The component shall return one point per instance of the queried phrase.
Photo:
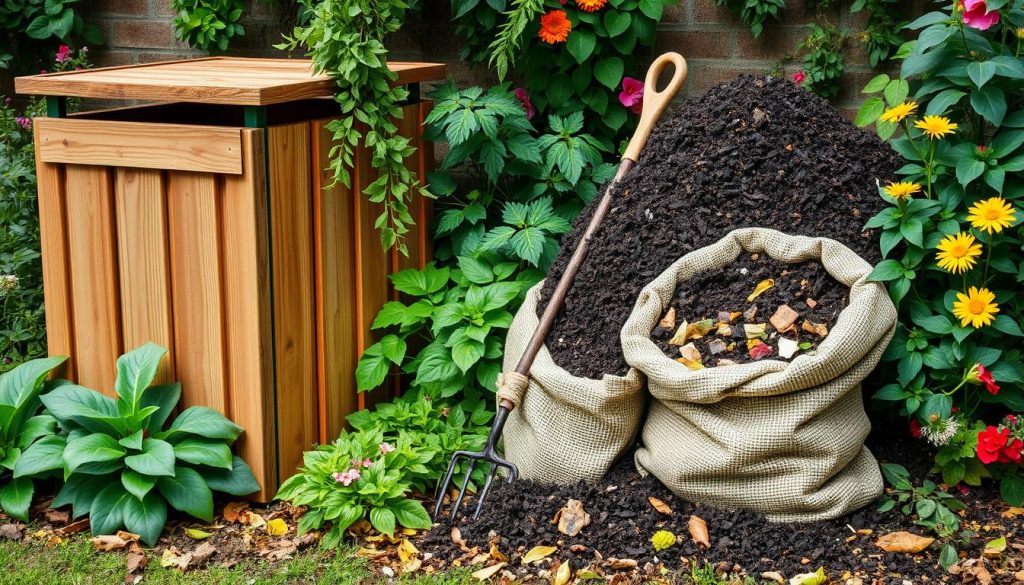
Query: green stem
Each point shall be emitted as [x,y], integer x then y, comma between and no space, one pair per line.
[928,168]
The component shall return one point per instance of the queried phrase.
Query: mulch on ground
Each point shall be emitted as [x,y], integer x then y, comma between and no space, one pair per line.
[519,517]
[753,152]
[804,296]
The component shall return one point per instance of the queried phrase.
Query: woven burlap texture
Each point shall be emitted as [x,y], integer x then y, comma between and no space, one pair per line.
[782,438]
[566,428]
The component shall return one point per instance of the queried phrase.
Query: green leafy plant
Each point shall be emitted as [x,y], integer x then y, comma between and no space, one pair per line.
[881,35]
[823,62]
[21,427]
[345,39]
[956,459]
[30,28]
[928,505]
[209,25]
[755,13]
[123,465]
[951,235]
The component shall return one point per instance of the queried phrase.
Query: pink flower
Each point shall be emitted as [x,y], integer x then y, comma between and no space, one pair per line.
[386,448]
[24,122]
[524,98]
[799,77]
[347,477]
[632,94]
[340,477]
[367,463]
[63,54]
[976,15]
[8,100]
[915,428]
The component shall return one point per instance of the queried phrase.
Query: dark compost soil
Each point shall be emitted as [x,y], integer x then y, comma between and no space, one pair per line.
[753,152]
[721,296]
[518,517]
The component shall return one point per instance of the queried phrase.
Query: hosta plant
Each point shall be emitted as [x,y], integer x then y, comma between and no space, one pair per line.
[123,465]
[21,427]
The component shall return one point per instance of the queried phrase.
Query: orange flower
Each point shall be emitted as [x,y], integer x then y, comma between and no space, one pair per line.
[591,5]
[554,27]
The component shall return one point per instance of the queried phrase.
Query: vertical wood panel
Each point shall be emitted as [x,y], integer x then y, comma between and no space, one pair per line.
[94,276]
[196,288]
[140,205]
[335,276]
[250,382]
[425,164]
[56,270]
[291,219]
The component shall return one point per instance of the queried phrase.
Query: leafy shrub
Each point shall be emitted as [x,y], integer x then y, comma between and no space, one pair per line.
[22,427]
[755,13]
[952,235]
[208,24]
[928,505]
[823,63]
[123,465]
[29,28]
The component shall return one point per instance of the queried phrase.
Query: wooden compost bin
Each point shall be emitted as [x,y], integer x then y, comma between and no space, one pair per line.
[202,223]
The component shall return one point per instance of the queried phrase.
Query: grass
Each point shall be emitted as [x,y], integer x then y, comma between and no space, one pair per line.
[75,563]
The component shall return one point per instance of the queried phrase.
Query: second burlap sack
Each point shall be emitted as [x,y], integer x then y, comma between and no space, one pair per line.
[565,428]
[782,438]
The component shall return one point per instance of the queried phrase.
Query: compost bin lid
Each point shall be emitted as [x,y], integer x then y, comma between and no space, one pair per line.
[211,80]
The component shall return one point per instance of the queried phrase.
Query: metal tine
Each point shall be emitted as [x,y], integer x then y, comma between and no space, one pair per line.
[483,493]
[462,490]
[446,484]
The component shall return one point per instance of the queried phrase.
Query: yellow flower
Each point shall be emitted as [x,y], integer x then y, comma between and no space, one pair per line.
[1019,32]
[591,5]
[935,126]
[992,215]
[977,308]
[958,253]
[902,189]
[663,539]
[898,113]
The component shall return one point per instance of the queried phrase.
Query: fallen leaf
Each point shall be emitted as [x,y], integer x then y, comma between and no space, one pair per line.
[994,548]
[234,511]
[487,573]
[773,576]
[750,313]
[669,320]
[137,559]
[680,336]
[717,346]
[903,542]
[588,574]
[196,534]
[816,578]
[818,329]
[108,542]
[562,575]
[691,364]
[75,527]
[788,347]
[620,564]
[754,331]
[689,352]
[537,553]
[699,531]
[659,505]
[760,288]
[57,516]
[1012,512]
[573,518]
[13,531]
[407,550]
[277,527]
[725,330]
[699,329]
[784,318]
[253,519]
[203,552]
[169,558]
[496,553]
[976,569]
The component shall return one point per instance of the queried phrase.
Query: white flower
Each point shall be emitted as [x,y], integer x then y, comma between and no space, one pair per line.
[8,282]
[939,433]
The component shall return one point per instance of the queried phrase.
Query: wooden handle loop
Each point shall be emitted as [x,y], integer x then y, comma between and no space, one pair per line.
[655,101]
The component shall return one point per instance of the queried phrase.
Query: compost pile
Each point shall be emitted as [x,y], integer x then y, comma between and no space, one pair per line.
[754,308]
[753,152]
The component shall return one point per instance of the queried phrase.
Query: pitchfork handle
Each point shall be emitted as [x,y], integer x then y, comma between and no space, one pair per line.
[655,103]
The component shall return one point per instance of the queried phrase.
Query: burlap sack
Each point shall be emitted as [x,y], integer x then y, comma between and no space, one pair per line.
[782,438]
[567,429]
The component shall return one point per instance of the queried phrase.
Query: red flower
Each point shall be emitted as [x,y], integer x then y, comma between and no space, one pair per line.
[915,428]
[63,54]
[799,77]
[990,442]
[524,98]
[632,94]
[985,376]
[554,27]
[1013,452]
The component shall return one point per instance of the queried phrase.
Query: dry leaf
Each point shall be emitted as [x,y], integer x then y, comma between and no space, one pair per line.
[784,318]
[689,352]
[255,520]
[108,542]
[234,511]
[903,542]
[277,527]
[975,570]
[496,553]
[818,329]
[680,336]
[407,551]
[485,574]
[994,548]
[170,558]
[690,364]
[57,516]
[669,320]
[717,346]
[754,331]
[816,578]
[72,528]
[773,576]
[203,552]
[137,559]
[572,518]
[537,553]
[659,505]
[699,329]
[760,350]
[760,288]
[562,575]
[196,534]
[620,564]
[1012,512]
[13,531]
[699,531]
[811,302]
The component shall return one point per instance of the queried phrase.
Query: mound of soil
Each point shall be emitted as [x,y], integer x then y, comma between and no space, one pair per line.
[719,298]
[753,152]
[517,517]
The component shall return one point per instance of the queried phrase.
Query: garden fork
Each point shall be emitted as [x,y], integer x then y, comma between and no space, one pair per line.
[512,385]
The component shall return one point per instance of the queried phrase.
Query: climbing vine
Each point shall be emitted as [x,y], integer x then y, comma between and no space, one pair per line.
[345,39]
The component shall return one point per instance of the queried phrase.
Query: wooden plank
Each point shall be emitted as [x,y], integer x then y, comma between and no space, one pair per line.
[220,80]
[247,322]
[56,271]
[141,209]
[336,299]
[181,147]
[92,259]
[196,288]
[425,164]
[291,219]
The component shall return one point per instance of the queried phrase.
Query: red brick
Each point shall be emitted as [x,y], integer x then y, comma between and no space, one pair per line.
[696,44]
[119,7]
[163,8]
[774,44]
[705,75]
[674,13]
[142,34]
[111,58]
[708,12]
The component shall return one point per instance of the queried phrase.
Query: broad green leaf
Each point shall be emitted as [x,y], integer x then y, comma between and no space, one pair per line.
[199,451]
[411,514]
[42,456]
[24,382]
[188,492]
[84,407]
[609,72]
[36,427]
[136,483]
[94,448]
[383,520]
[371,370]
[943,101]
[145,517]
[204,422]
[157,458]
[896,91]
[132,441]
[1004,323]
[165,397]
[581,44]
[886,270]
[106,513]
[990,102]
[869,111]
[876,84]
[616,22]
[981,72]
[16,497]
[80,490]
[237,482]
[475,270]
[968,169]
[135,372]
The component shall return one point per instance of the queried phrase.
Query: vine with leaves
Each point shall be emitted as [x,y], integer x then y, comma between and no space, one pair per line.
[345,39]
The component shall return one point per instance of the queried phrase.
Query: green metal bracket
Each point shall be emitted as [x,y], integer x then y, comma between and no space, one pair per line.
[256,117]
[56,106]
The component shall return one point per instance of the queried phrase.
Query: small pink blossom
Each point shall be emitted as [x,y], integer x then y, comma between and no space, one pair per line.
[24,122]
[367,463]
[363,463]
[8,100]
[799,77]
[386,448]
[63,54]
[347,477]
[632,94]
[524,98]
[976,15]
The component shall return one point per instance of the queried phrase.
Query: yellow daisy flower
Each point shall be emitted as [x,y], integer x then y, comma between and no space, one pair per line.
[898,113]
[992,215]
[977,308]
[935,126]
[902,189]
[958,253]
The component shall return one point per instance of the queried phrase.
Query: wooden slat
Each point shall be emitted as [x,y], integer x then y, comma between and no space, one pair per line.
[250,380]
[92,259]
[212,149]
[196,288]
[222,80]
[335,277]
[56,270]
[141,208]
[293,301]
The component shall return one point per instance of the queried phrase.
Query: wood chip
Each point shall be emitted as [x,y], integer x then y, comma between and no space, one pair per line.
[660,506]
[811,303]
[699,531]
[620,564]
[573,518]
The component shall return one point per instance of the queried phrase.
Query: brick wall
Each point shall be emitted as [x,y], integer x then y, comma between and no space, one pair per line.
[716,45]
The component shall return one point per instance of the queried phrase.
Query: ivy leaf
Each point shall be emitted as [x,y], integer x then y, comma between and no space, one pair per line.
[609,73]
[616,22]
[581,45]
